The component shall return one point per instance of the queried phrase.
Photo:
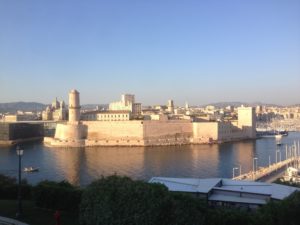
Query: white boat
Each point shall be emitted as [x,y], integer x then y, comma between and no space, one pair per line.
[278,136]
[31,169]
[292,175]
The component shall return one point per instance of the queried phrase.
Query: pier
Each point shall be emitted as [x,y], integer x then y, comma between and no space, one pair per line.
[272,170]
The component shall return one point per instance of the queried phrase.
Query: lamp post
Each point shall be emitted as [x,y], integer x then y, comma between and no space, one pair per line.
[254,170]
[233,169]
[269,160]
[279,156]
[276,156]
[19,212]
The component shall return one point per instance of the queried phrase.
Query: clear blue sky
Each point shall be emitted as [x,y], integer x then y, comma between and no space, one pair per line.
[196,51]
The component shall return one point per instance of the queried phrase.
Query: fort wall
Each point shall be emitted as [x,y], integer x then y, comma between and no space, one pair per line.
[205,132]
[170,132]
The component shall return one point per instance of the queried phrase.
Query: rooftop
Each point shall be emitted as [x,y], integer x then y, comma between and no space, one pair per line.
[227,186]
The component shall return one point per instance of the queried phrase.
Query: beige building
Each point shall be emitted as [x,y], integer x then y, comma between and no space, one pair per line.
[57,111]
[170,106]
[121,115]
[127,103]
[19,117]
[221,131]
[89,115]
[247,121]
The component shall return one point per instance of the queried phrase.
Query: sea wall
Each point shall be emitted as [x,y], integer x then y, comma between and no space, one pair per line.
[218,132]
[138,133]
[170,132]
[205,132]
[70,131]
[122,133]
[143,133]
[18,132]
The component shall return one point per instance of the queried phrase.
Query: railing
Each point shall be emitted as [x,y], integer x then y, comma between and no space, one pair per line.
[265,171]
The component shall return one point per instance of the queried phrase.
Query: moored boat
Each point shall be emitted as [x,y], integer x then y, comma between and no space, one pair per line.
[31,169]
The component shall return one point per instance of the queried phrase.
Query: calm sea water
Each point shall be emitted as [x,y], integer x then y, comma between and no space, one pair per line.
[82,165]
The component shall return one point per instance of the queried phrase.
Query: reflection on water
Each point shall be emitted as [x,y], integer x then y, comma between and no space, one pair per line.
[82,165]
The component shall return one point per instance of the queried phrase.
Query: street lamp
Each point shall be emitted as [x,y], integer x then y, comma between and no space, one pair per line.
[279,155]
[254,169]
[233,169]
[19,212]
[276,156]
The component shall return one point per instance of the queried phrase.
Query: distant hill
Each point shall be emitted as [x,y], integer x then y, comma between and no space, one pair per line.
[237,104]
[295,105]
[12,107]
[94,106]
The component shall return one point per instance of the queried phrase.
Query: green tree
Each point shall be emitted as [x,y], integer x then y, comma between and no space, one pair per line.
[285,212]
[9,188]
[57,195]
[119,200]
[186,210]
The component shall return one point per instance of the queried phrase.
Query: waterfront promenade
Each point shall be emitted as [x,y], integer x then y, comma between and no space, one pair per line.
[272,169]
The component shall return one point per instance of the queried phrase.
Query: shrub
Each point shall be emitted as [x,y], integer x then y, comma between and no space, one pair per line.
[285,212]
[186,209]
[9,188]
[119,200]
[226,216]
[57,195]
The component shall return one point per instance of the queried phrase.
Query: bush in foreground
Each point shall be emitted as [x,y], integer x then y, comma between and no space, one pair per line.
[57,195]
[119,200]
[285,212]
[9,188]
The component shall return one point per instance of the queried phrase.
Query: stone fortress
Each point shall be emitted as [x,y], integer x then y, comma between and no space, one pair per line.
[116,131]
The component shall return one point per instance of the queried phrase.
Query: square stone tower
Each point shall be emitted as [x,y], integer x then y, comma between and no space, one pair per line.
[247,121]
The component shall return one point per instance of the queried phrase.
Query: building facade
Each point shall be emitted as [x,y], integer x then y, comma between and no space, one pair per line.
[56,111]
[127,103]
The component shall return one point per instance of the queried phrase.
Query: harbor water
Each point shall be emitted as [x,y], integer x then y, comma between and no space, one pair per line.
[82,165]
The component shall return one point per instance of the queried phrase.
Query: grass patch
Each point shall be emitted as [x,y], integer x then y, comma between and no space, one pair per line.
[35,216]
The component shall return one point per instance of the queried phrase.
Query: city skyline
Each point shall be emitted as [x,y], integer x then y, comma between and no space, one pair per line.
[191,51]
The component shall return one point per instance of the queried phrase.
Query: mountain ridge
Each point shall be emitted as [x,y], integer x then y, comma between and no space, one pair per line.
[13,107]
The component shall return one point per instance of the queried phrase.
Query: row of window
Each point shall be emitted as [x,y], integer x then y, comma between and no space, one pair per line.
[113,116]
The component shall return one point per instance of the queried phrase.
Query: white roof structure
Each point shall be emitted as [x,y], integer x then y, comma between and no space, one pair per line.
[227,190]
[187,184]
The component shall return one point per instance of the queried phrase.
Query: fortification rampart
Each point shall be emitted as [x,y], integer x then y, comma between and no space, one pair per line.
[143,133]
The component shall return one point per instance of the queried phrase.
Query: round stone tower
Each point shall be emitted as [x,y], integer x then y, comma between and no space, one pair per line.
[74,106]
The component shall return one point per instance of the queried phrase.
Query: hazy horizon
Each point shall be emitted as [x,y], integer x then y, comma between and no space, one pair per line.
[194,51]
[157,103]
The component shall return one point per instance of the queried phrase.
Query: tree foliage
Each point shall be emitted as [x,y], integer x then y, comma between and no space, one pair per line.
[9,188]
[119,200]
[285,212]
[57,195]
